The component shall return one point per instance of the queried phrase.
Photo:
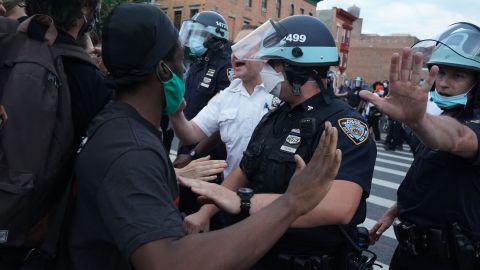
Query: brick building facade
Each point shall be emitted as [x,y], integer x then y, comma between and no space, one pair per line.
[237,12]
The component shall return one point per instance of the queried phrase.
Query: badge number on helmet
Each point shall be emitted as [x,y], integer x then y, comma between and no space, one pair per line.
[296,38]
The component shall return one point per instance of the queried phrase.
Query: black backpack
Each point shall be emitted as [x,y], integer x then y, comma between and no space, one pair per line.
[36,132]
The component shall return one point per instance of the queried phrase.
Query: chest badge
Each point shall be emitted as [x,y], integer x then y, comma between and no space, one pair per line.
[356,130]
[292,142]
[230,74]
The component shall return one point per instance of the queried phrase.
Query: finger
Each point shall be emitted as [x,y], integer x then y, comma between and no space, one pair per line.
[417,68]
[370,97]
[208,178]
[203,158]
[187,182]
[432,75]
[406,66]
[394,68]
[299,163]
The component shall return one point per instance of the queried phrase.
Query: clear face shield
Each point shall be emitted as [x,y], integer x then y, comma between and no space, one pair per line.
[458,45]
[192,34]
[256,45]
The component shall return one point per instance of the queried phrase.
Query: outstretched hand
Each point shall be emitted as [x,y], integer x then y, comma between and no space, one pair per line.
[202,169]
[407,98]
[310,185]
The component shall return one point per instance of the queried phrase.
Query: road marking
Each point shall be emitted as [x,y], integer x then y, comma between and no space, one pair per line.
[394,156]
[387,170]
[380,201]
[406,165]
[385,183]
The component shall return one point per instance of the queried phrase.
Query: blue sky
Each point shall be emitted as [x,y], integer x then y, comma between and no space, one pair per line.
[420,18]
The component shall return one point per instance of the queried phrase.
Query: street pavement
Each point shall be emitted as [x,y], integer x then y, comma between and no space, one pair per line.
[390,169]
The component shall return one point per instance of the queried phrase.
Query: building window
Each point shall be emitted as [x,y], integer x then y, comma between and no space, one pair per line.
[165,10]
[279,8]
[246,22]
[248,3]
[337,36]
[193,11]
[347,37]
[264,6]
[292,9]
[302,11]
[310,14]
[177,18]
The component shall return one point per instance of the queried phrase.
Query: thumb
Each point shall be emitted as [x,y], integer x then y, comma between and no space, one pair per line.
[299,163]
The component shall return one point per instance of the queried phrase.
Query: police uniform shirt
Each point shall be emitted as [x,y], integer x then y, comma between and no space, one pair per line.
[126,191]
[441,188]
[268,161]
[204,80]
[235,113]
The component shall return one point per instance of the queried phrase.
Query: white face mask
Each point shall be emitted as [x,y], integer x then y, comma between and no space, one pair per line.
[272,80]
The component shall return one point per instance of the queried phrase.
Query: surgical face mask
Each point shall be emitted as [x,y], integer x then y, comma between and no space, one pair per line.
[272,80]
[173,89]
[196,46]
[385,85]
[445,102]
[381,93]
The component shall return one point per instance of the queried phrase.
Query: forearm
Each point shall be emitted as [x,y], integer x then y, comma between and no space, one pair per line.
[234,181]
[253,236]
[187,131]
[446,134]
[338,206]
[207,144]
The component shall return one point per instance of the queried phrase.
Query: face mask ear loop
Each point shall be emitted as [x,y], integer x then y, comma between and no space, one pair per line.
[157,73]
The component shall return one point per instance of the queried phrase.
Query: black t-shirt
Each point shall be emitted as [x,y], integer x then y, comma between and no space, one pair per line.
[269,164]
[88,92]
[126,191]
[441,188]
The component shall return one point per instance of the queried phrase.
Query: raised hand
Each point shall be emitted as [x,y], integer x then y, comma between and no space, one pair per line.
[407,98]
[202,169]
[310,185]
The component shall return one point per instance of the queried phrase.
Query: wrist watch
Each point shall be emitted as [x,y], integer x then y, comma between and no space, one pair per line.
[245,195]
[193,154]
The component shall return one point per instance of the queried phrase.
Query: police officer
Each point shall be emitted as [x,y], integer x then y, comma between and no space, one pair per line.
[353,98]
[301,49]
[205,38]
[437,204]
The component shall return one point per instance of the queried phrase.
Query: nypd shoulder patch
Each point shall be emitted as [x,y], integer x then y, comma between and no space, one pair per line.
[356,130]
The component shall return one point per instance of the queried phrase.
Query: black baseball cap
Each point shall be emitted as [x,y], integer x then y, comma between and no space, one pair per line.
[136,36]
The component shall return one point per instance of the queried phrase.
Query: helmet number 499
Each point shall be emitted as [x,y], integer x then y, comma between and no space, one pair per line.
[296,38]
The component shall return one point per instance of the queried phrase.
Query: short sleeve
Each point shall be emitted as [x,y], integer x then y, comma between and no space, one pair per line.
[136,201]
[207,118]
[476,129]
[358,151]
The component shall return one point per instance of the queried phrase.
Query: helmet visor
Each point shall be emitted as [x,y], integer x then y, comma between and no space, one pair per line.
[460,39]
[191,32]
[267,35]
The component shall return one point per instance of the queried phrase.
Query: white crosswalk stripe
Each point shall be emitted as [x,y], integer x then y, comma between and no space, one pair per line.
[391,171]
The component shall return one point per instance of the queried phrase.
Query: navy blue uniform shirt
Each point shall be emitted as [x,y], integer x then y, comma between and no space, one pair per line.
[441,188]
[205,78]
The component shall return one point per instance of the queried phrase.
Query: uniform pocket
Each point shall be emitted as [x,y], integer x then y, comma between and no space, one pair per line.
[225,119]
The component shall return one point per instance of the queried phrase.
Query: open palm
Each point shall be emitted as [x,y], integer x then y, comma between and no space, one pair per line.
[407,98]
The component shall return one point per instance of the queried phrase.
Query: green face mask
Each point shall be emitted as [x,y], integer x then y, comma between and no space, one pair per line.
[174,89]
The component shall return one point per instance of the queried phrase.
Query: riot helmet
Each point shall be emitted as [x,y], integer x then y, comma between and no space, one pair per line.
[205,30]
[357,82]
[302,43]
[457,46]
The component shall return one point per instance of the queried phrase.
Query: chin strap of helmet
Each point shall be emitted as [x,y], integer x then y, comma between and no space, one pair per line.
[296,76]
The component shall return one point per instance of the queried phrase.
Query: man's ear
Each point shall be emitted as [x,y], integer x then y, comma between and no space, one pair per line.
[162,71]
